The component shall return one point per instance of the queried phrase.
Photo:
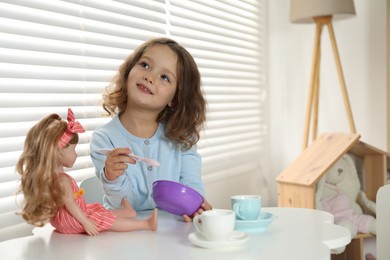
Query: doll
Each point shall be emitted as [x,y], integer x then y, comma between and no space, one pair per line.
[52,195]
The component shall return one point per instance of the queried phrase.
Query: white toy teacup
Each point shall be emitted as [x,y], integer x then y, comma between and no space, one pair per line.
[215,224]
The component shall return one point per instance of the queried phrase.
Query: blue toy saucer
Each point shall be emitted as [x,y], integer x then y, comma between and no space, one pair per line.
[254,226]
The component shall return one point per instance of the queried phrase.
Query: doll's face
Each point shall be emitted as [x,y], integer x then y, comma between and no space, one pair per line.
[68,156]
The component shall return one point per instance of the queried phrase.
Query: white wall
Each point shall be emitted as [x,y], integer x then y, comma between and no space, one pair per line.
[361,42]
[220,190]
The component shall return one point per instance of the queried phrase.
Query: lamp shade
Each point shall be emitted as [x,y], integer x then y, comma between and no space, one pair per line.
[303,11]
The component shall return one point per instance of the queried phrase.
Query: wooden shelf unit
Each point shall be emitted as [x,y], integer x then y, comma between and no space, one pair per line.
[297,183]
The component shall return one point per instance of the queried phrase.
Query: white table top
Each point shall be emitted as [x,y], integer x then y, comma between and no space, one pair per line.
[294,234]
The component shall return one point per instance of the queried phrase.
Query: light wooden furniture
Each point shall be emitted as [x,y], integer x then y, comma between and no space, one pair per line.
[297,183]
[314,90]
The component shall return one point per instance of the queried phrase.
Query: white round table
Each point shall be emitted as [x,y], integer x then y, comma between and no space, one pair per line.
[294,234]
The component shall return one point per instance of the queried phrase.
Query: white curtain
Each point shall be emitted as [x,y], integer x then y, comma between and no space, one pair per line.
[59,54]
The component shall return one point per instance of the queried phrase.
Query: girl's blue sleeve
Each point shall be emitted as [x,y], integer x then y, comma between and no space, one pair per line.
[191,170]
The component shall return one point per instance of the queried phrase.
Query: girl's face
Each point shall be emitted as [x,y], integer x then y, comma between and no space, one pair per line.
[68,156]
[152,81]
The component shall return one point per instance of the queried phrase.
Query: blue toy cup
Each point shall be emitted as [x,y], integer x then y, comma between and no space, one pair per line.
[246,207]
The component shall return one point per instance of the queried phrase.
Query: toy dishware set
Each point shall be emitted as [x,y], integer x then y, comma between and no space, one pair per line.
[216,228]
[225,228]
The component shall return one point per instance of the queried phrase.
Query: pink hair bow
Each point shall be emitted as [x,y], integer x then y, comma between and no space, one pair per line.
[73,127]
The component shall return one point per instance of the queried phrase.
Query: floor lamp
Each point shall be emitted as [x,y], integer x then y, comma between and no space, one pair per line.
[322,12]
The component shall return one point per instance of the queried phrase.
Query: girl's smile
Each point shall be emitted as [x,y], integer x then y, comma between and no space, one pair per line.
[144,89]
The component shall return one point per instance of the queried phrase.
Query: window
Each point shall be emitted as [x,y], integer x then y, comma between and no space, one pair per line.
[60,54]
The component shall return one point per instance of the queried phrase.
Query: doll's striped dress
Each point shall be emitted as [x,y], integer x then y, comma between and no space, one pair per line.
[65,223]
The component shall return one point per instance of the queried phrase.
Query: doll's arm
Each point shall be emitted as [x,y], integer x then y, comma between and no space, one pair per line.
[368,206]
[74,209]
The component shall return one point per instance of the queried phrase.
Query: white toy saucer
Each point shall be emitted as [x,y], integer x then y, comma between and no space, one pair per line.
[237,239]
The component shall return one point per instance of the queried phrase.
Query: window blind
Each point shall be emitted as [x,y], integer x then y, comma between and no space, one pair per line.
[60,54]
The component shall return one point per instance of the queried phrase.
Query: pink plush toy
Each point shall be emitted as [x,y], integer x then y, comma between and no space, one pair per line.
[339,192]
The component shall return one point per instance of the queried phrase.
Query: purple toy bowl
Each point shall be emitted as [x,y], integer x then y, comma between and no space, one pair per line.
[176,198]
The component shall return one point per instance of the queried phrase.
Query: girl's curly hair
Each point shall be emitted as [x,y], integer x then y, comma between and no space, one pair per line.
[184,120]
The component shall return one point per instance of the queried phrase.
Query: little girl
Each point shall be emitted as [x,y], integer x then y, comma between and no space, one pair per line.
[51,194]
[158,110]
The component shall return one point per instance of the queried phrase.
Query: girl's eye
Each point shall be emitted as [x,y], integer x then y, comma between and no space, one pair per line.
[165,77]
[144,65]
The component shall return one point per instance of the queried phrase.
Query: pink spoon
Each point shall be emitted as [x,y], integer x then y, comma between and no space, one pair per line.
[148,161]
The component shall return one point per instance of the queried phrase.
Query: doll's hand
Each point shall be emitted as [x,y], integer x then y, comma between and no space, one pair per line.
[91,228]
[205,206]
[116,163]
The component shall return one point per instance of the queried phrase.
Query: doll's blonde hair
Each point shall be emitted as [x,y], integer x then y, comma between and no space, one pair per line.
[38,166]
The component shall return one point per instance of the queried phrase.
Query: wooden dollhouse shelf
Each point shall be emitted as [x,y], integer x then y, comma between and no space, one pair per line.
[297,183]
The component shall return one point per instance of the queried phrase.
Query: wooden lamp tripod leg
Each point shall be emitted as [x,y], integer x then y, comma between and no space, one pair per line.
[316,100]
[313,96]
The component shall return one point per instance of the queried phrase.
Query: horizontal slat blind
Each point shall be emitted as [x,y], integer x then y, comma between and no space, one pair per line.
[227,40]
[59,54]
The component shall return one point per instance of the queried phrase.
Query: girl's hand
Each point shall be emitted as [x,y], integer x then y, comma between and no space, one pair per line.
[116,163]
[205,206]
[91,228]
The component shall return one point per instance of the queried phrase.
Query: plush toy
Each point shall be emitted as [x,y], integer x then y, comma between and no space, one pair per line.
[339,192]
